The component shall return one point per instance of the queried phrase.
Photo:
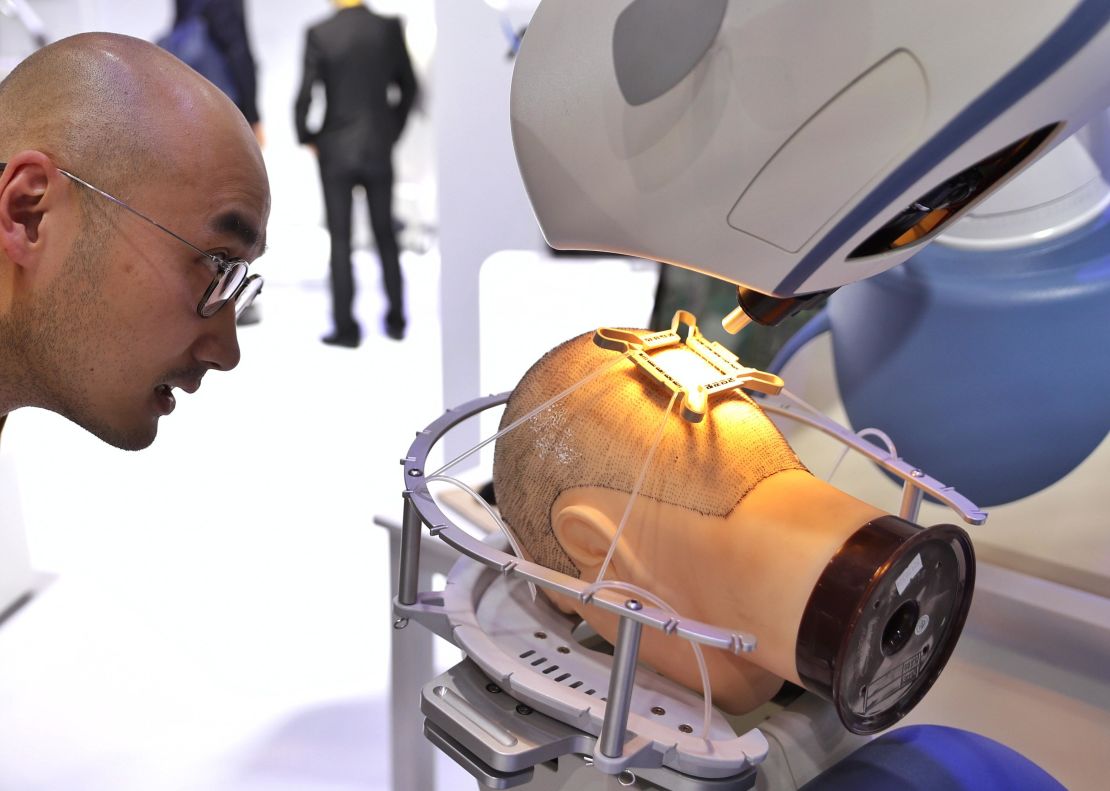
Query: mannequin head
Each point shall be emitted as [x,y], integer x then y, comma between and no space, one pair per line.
[563,481]
[729,527]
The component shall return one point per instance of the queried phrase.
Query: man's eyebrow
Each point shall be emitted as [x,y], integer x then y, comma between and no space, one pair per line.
[236,224]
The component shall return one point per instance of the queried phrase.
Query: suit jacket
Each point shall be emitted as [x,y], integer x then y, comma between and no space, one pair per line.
[227,25]
[356,55]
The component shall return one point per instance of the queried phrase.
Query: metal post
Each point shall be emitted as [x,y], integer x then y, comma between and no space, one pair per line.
[621,681]
[911,501]
[411,527]
[412,763]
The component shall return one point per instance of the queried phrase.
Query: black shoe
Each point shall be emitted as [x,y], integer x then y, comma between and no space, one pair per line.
[395,325]
[395,331]
[349,340]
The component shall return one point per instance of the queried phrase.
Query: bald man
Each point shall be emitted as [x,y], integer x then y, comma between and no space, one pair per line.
[133,198]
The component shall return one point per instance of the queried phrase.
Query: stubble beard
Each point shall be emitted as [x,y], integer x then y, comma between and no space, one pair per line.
[58,340]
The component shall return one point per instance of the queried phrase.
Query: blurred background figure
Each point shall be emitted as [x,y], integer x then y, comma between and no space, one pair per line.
[362,62]
[21,12]
[211,36]
[18,17]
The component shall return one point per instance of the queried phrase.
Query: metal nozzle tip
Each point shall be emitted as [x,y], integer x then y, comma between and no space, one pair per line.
[736,321]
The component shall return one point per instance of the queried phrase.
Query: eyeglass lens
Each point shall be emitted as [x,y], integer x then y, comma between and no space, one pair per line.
[251,289]
[225,288]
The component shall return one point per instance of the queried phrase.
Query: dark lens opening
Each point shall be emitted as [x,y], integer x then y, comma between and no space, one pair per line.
[900,628]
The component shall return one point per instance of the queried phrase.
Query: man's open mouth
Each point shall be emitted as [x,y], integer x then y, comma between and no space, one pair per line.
[164,396]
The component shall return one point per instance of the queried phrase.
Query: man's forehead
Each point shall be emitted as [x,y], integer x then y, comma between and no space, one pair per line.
[229,196]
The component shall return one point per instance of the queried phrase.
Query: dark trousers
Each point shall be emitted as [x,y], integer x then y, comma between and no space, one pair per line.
[377,180]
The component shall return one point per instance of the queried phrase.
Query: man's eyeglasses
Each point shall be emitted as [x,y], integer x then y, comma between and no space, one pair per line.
[231,282]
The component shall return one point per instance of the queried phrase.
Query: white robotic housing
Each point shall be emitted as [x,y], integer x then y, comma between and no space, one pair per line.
[791,146]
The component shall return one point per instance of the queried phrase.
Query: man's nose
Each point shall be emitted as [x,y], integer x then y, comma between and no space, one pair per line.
[218,347]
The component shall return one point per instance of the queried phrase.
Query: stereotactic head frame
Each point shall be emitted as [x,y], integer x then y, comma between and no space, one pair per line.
[686,362]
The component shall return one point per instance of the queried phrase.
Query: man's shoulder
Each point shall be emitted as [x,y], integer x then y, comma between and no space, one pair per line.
[327,23]
[359,15]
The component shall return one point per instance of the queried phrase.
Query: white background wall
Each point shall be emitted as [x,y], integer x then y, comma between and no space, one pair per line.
[483,206]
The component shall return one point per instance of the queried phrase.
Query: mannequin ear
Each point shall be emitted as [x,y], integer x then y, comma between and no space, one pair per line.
[23,203]
[585,532]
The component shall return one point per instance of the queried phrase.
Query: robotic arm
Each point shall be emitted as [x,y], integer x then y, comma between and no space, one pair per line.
[809,144]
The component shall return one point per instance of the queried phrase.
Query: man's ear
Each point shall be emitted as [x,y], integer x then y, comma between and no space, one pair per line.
[24,200]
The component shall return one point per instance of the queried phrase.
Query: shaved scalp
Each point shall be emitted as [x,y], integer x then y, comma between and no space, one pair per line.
[101,105]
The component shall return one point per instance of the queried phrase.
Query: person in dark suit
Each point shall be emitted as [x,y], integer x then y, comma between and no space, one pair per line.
[358,56]
[227,26]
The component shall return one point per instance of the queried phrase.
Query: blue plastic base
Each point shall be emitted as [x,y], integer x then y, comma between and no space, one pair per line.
[989,370]
[934,758]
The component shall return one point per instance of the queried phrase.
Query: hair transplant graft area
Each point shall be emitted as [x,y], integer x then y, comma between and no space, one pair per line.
[653,468]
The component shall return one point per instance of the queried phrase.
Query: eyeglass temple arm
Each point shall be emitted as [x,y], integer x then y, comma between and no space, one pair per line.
[136,212]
